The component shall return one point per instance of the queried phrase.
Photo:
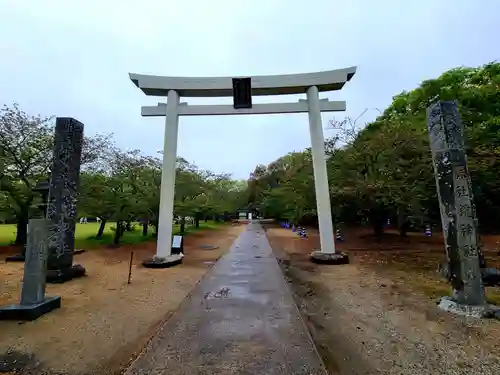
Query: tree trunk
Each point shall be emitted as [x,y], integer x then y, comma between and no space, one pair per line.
[197,222]
[378,218]
[378,222]
[118,232]
[155,225]
[206,219]
[100,232]
[378,228]
[183,225]
[22,233]
[403,229]
[145,225]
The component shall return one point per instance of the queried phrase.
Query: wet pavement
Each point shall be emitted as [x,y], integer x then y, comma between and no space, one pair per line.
[241,319]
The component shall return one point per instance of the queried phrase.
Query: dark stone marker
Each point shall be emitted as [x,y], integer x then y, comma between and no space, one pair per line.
[458,213]
[61,207]
[35,266]
[33,301]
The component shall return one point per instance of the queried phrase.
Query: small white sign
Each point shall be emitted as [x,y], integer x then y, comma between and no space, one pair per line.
[176,242]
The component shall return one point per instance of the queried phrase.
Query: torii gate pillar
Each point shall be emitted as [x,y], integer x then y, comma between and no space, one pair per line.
[323,205]
[167,190]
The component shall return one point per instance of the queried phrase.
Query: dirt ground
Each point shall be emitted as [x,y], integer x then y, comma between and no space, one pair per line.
[378,314]
[104,323]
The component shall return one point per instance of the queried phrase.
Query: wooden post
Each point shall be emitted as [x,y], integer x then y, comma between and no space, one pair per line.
[130,267]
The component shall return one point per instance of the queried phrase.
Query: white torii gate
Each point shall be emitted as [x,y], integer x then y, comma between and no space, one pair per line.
[242,89]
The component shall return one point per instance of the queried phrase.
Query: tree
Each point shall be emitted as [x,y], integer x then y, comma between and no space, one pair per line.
[477,91]
[96,198]
[118,192]
[285,188]
[27,143]
[384,169]
[190,192]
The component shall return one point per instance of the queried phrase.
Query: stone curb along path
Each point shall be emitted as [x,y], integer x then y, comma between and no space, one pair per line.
[241,319]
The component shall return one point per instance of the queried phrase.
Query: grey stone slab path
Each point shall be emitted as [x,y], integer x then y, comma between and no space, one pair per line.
[241,319]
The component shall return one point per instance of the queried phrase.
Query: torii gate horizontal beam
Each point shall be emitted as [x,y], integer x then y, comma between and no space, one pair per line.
[261,85]
[257,109]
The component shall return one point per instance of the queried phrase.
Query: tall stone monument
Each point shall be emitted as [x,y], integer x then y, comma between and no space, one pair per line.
[34,303]
[458,213]
[61,207]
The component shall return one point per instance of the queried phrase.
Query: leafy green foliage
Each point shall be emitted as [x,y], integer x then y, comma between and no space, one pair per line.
[26,144]
[385,169]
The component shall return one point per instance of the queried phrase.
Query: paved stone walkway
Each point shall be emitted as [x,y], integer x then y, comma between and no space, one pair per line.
[241,319]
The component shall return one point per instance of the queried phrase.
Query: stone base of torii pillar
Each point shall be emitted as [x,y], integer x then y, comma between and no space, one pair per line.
[163,262]
[321,257]
[171,258]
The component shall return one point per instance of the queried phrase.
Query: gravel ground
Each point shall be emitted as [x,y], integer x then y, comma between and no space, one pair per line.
[104,323]
[365,322]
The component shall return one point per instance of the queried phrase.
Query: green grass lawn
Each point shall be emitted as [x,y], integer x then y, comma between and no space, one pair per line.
[85,234]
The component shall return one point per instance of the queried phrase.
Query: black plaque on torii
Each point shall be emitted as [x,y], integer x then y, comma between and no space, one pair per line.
[242,93]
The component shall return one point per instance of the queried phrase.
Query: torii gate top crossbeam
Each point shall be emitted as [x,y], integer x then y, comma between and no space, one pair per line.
[261,85]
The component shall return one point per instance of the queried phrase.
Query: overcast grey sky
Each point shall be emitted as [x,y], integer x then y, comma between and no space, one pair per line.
[72,58]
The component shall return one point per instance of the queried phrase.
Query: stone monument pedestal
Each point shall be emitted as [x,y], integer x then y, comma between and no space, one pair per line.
[163,262]
[65,274]
[321,257]
[30,312]
[15,258]
[34,303]
[473,311]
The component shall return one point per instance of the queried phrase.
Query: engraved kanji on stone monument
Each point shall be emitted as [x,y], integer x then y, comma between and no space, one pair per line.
[61,210]
[456,204]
